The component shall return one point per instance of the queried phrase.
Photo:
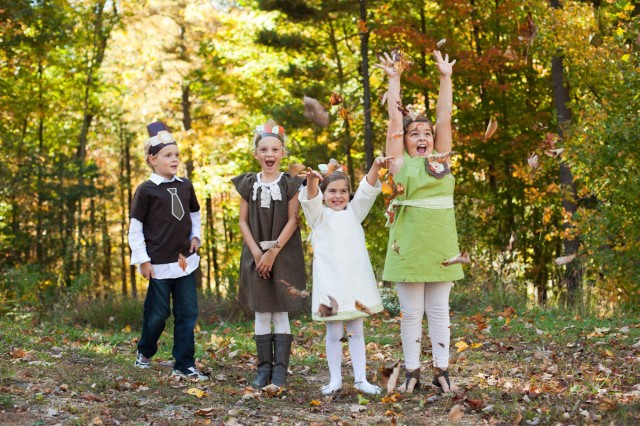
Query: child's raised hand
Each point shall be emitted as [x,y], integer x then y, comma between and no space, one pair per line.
[381,162]
[444,66]
[387,64]
[312,175]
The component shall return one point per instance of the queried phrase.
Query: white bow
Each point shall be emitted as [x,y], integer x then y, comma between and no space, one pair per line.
[270,191]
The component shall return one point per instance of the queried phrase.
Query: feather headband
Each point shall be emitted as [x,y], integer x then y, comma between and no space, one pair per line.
[270,128]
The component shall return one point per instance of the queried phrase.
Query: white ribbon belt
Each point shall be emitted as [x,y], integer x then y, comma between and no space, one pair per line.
[436,203]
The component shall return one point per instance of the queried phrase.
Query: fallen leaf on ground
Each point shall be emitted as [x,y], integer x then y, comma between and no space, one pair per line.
[456,413]
[198,393]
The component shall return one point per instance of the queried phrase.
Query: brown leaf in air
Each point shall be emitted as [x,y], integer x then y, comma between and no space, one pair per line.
[491,128]
[336,99]
[362,26]
[315,112]
[396,247]
[296,169]
[328,311]
[294,291]
[390,374]
[456,413]
[332,166]
[441,43]
[563,260]
[398,189]
[182,262]
[363,308]
[462,258]
[554,152]
[387,189]
[344,113]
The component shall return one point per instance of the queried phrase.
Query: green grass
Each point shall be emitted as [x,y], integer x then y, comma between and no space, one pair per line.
[537,364]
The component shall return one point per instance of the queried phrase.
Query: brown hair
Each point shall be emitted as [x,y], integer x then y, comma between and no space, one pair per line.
[333,177]
[407,120]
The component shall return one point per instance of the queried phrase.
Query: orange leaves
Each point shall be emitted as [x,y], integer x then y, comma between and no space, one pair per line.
[328,311]
[336,99]
[292,291]
[182,262]
[362,26]
[362,308]
[491,129]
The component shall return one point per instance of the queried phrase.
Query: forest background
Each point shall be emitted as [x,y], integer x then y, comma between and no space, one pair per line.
[547,203]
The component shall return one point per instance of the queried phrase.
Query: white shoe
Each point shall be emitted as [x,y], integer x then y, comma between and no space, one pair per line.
[190,373]
[367,387]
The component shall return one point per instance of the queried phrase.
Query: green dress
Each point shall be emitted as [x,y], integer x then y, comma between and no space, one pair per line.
[420,239]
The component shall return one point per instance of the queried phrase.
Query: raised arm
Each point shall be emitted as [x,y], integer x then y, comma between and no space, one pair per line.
[395,135]
[444,106]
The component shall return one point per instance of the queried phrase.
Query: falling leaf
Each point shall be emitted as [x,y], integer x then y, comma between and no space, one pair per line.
[344,113]
[390,374]
[362,400]
[315,112]
[363,308]
[441,43]
[332,166]
[336,99]
[328,311]
[296,169]
[383,99]
[382,172]
[292,291]
[554,152]
[491,128]
[461,345]
[533,161]
[395,246]
[206,412]
[387,189]
[462,258]
[182,262]
[362,26]
[456,413]
[443,157]
[563,260]
[198,393]
[398,189]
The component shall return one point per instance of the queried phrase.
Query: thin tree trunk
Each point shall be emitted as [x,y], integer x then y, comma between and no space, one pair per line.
[573,271]
[123,219]
[364,53]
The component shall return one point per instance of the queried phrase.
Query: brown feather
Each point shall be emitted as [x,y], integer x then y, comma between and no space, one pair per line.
[315,112]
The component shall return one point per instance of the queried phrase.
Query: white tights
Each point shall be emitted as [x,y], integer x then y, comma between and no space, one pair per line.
[416,299]
[280,323]
[355,331]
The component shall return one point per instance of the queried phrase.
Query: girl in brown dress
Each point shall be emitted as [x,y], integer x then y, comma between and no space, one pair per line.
[272,252]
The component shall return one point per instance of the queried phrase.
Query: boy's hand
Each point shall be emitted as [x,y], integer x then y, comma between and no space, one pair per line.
[147,270]
[195,244]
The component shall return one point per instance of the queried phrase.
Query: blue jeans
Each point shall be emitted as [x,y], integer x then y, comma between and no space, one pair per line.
[185,314]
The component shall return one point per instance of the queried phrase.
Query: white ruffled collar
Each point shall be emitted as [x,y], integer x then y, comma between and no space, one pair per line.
[270,191]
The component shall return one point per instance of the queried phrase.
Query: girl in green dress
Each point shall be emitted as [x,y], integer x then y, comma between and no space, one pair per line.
[422,221]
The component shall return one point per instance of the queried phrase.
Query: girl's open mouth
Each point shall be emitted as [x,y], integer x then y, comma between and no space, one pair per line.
[421,148]
[269,163]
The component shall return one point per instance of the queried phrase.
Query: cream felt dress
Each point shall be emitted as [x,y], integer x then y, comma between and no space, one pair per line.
[341,265]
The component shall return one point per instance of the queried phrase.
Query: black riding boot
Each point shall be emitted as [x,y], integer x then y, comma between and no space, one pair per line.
[281,352]
[264,346]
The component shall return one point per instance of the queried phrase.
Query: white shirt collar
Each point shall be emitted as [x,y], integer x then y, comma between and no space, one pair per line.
[157,179]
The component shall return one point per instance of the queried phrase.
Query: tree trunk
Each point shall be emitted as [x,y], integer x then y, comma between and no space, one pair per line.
[364,53]
[573,271]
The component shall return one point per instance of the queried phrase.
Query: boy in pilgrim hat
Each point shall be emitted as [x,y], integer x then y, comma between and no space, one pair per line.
[164,235]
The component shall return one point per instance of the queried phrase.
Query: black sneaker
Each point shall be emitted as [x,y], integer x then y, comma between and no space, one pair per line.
[190,373]
[142,361]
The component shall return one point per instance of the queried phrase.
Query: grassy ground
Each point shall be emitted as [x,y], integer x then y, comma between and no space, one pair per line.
[510,366]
